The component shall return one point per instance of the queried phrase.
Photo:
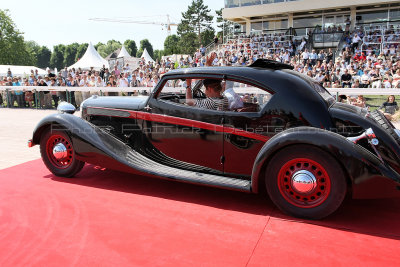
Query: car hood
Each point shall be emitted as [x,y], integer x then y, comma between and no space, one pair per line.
[119,102]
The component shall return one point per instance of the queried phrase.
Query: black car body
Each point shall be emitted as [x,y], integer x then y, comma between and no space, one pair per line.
[305,148]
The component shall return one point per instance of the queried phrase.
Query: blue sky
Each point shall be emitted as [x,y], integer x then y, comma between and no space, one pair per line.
[50,22]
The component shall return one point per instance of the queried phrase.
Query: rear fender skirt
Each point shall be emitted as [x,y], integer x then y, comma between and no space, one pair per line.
[359,164]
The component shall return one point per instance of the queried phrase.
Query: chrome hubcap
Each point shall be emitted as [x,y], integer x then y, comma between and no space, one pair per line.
[60,151]
[303,182]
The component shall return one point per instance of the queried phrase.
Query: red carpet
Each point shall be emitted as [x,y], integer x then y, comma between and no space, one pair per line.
[107,218]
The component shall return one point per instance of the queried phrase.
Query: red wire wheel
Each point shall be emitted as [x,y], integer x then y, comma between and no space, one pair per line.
[59,151]
[58,154]
[304,183]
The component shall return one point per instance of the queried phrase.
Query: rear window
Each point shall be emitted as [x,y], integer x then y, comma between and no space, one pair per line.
[329,99]
[324,93]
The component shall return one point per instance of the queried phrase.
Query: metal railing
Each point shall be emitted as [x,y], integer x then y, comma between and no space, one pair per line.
[327,37]
[7,90]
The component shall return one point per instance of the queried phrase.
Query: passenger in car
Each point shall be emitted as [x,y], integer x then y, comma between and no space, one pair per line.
[235,102]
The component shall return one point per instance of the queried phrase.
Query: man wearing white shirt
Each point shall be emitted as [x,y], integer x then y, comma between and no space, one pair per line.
[285,57]
[305,56]
[319,77]
[84,83]
[354,42]
[123,81]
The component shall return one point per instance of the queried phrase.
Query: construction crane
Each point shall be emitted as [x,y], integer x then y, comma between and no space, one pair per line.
[167,25]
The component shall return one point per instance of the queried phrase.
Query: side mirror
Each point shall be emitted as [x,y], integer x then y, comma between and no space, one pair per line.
[65,107]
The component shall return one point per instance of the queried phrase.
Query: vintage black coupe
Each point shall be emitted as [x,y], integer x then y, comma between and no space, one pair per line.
[276,130]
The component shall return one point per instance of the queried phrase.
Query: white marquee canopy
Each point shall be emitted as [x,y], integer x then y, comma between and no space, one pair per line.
[123,53]
[20,70]
[146,56]
[91,58]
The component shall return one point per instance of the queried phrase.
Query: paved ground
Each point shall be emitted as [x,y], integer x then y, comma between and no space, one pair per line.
[16,128]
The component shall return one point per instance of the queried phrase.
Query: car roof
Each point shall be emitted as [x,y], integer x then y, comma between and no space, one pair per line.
[282,81]
[273,79]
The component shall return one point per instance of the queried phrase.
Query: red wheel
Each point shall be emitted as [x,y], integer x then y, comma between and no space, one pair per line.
[305,181]
[59,151]
[58,154]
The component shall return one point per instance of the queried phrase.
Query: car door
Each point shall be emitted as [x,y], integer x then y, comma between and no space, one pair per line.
[184,133]
[247,128]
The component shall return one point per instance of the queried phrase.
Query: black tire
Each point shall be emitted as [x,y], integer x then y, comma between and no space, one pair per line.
[327,177]
[65,167]
[385,124]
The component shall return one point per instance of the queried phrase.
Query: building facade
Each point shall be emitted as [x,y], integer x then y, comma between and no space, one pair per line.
[252,16]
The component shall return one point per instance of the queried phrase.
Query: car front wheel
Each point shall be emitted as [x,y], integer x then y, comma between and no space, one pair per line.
[58,154]
[305,181]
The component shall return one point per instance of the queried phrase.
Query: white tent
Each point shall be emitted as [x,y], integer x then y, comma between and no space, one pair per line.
[146,56]
[91,58]
[123,53]
[20,70]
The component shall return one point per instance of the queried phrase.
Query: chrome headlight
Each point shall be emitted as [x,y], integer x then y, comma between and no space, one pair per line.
[368,134]
[65,107]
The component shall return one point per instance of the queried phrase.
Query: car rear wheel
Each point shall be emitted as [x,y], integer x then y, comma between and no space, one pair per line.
[58,154]
[304,181]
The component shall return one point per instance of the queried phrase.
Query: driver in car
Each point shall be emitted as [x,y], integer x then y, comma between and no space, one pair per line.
[214,98]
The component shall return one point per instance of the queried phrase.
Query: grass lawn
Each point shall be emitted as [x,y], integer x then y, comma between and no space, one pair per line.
[374,101]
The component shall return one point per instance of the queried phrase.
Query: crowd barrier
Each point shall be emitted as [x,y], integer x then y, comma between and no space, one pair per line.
[6,90]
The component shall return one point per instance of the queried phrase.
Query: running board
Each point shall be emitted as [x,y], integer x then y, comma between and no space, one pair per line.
[142,163]
[124,154]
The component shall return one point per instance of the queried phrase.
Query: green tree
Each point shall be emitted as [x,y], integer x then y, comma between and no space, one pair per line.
[33,49]
[196,19]
[158,54]
[43,57]
[13,50]
[223,25]
[106,49]
[145,44]
[70,54]
[130,45]
[171,45]
[81,51]
[96,46]
[188,43]
[57,57]
[207,37]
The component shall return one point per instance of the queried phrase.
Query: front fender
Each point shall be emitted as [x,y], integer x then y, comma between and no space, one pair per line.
[91,144]
[358,163]
[61,122]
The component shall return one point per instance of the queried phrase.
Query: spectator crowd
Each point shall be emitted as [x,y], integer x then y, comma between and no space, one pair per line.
[367,58]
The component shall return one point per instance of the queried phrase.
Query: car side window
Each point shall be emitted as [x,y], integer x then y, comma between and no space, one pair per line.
[173,91]
[196,93]
[245,97]
[215,94]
